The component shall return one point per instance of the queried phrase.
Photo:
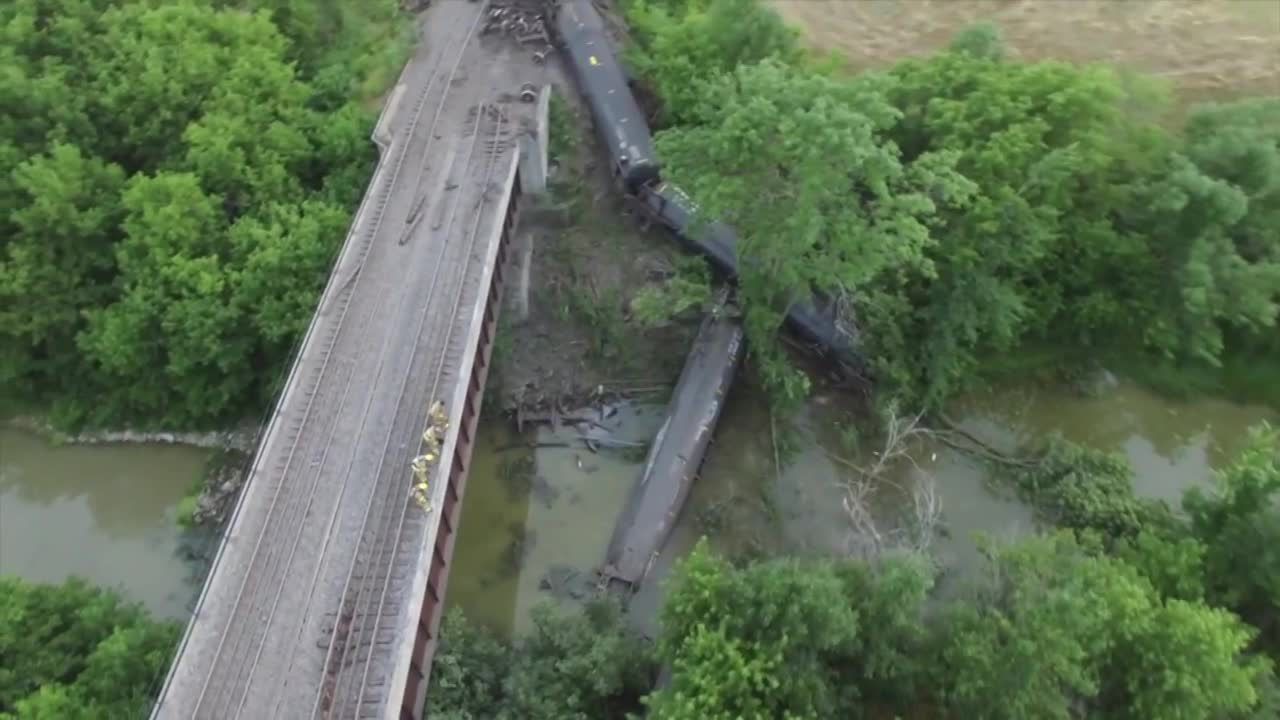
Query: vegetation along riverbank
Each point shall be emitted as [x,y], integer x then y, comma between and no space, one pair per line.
[985,204]
[1010,217]
[175,179]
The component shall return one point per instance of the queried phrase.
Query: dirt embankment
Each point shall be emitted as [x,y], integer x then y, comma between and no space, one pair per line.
[1208,49]
[580,342]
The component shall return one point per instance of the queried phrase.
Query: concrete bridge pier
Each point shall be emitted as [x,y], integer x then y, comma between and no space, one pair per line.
[533,184]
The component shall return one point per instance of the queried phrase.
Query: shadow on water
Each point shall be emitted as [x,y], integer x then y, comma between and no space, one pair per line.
[763,493]
[536,520]
[106,513]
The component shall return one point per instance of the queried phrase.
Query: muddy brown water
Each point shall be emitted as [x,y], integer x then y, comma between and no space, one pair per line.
[753,501]
[538,519]
[106,513]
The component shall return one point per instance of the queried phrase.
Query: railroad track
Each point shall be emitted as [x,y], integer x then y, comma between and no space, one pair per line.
[366,625]
[275,549]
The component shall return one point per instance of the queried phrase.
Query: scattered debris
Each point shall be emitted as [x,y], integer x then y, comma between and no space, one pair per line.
[563,581]
[523,21]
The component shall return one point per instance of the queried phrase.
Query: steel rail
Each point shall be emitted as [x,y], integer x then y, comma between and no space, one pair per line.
[495,152]
[382,200]
[297,537]
[368,514]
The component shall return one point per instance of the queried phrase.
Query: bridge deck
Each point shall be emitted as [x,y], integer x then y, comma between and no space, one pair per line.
[305,610]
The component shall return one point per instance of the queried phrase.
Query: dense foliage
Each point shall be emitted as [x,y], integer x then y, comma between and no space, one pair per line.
[174,178]
[967,204]
[1080,488]
[1054,629]
[1221,549]
[1058,632]
[1238,526]
[71,651]
[1128,611]
[582,666]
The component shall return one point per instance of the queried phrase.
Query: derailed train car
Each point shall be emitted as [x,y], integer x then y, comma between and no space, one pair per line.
[812,322]
[676,454]
[626,135]
[618,119]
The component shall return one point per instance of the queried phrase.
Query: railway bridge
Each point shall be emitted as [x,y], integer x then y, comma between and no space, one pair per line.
[325,596]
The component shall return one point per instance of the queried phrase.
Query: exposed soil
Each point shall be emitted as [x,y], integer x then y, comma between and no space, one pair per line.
[1207,48]
[224,476]
[590,258]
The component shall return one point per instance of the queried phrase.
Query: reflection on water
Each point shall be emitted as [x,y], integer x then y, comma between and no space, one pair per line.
[763,493]
[538,519]
[1171,445]
[103,512]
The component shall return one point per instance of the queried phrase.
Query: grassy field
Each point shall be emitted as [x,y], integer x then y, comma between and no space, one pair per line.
[1206,48]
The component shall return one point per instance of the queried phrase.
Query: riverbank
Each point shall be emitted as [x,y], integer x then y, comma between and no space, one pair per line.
[240,438]
[1242,377]
[207,501]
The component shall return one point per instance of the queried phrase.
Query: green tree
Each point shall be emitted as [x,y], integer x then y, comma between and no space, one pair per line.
[1171,559]
[1047,147]
[579,665]
[467,672]
[751,643]
[176,315]
[686,47]
[72,651]
[58,261]
[885,662]
[1182,661]
[1208,218]
[1058,630]
[1081,488]
[1028,645]
[284,254]
[161,67]
[1239,525]
[171,189]
[805,223]
[688,288]
[46,48]
[342,158]
[584,666]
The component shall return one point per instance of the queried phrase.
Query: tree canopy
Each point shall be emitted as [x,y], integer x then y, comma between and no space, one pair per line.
[1238,525]
[176,178]
[844,222]
[1052,629]
[73,651]
[968,204]
[576,666]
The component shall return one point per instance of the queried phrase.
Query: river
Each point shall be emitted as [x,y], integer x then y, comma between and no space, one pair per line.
[536,521]
[106,513]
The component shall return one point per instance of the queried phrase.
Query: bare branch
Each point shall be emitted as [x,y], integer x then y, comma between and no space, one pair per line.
[901,435]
